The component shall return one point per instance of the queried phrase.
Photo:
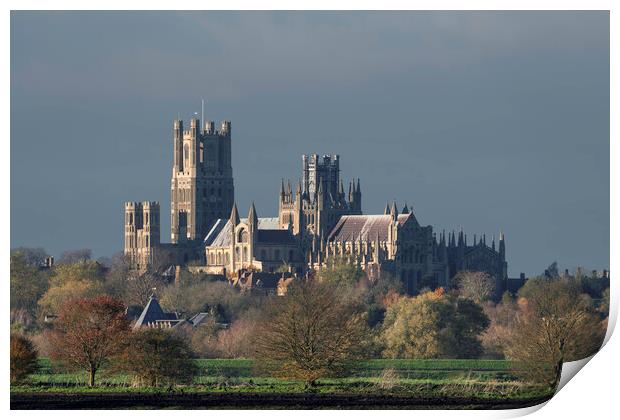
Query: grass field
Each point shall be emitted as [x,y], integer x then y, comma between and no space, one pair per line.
[481,378]
[421,383]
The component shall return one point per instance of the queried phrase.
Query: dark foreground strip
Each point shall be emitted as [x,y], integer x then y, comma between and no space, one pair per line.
[47,401]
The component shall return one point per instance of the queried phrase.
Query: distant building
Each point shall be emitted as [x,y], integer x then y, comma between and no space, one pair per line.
[202,191]
[316,223]
[153,316]
[254,243]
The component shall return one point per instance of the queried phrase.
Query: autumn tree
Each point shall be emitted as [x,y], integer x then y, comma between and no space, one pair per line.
[82,279]
[88,332]
[23,358]
[475,285]
[502,316]
[237,340]
[433,325]
[310,333]
[555,326]
[157,356]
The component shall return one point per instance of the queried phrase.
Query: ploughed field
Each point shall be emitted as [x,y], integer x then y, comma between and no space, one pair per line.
[236,384]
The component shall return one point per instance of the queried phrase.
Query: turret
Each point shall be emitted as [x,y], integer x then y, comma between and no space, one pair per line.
[234,216]
[225,129]
[209,127]
[252,218]
[194,129]
[177,138]
[357,197]
[394,212]
[351,191]
[502,247]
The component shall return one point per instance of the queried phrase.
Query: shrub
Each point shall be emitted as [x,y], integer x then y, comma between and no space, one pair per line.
[23,358]
[156,357]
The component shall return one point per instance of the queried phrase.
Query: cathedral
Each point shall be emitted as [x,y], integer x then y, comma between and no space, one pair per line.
[318,222]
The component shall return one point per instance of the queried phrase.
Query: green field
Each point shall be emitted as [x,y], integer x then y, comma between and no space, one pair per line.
[463,378]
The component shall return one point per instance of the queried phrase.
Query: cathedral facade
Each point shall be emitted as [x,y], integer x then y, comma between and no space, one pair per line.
[318,222]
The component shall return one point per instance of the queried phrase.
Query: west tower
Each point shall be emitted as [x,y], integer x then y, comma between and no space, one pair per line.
[202,188]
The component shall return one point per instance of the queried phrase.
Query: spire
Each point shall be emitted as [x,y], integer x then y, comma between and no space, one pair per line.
[252,217]
[282,188]
[394,211]
[387,208]
[358,190]
[341,188]
[493,243]
[351,190]
[405,209]
[234,215]
[289,191]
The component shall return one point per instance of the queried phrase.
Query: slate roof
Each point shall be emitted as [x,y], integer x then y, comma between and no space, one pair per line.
[198,318]
[275,236]
[152,312]
[268,229]
[364,227]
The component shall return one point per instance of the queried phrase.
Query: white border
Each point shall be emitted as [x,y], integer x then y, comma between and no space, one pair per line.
[593,395]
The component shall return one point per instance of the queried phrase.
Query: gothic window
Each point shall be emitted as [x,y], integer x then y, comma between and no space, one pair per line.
[245,254]
[226,258]
[186,155]
[131,218]
[243,236]
[237,254]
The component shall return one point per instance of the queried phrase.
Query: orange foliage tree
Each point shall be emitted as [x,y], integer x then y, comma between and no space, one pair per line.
[88,332]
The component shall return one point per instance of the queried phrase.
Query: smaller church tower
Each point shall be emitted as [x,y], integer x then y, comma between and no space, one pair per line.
[142,231]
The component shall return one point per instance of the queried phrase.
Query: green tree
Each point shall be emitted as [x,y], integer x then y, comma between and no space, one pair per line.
[157,357]
[83,279]
[28,283]
[531,286]
[23,358]
[432,325]
[341,271]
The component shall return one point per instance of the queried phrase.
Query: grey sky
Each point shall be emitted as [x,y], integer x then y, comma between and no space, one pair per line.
[483,120]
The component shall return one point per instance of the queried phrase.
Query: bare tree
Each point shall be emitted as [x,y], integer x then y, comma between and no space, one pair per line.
[555,326]
[310,333]
[475,285]
[139,287]
[75,255]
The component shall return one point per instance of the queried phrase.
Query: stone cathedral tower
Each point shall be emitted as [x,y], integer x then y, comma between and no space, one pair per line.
[202,189]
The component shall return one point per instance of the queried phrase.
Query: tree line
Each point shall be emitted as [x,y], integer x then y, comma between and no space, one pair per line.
[324,323]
